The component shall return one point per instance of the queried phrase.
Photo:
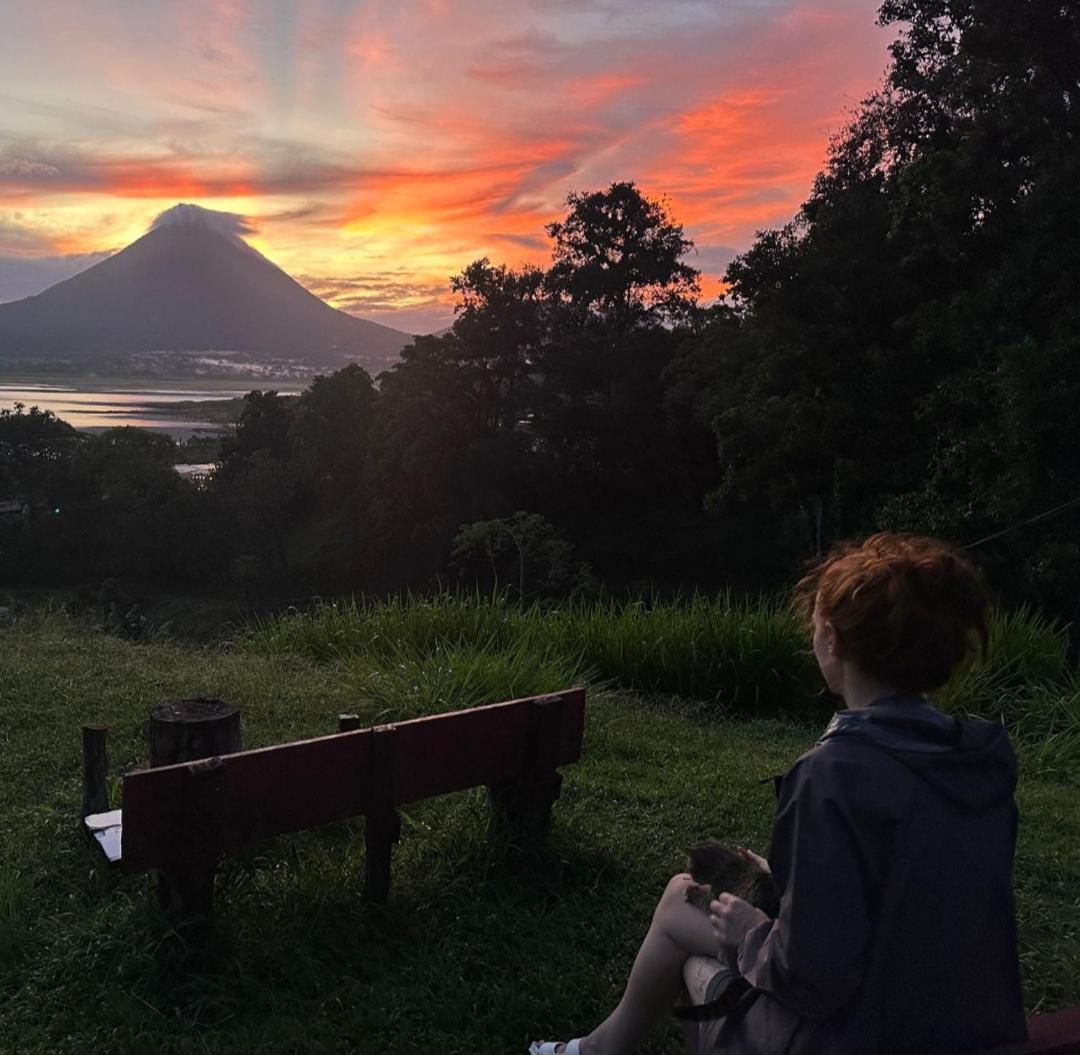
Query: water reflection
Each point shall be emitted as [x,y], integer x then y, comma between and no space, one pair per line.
[94,409]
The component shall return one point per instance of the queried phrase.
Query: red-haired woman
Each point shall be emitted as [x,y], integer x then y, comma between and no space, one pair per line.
[892,849]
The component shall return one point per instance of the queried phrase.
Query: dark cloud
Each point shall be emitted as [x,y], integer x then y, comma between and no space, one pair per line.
[17,239]
[21,161]
[378,292]
[24,167]
[78,115]
[312,212]
[27,276]
[205,50]
[520,60]
[532,42]
[526,241]
[711,260]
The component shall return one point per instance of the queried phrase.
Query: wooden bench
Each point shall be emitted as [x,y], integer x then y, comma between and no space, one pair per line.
[179,819]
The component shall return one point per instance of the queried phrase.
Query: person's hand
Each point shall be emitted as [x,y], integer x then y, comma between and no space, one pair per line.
[749,855]
[732,918]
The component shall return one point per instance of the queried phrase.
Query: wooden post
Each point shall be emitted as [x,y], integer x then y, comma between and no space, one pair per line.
[95,759]
[346,723]
[187,730]
[383,826]
[521,806]
[187,887]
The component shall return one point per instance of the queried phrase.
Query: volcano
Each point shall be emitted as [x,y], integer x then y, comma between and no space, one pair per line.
[191,284]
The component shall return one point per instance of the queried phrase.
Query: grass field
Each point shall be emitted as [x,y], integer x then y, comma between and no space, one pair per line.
[476,951]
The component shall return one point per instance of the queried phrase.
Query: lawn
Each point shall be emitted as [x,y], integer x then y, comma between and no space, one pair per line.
[476,951]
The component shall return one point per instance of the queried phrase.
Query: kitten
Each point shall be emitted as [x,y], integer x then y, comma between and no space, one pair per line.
[724,870]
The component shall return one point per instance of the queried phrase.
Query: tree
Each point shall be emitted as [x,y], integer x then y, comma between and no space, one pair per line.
[264,422]
[264,506]
[620,294]
[617,260]
[524,552]
[36,449]
[453,437]
[499,327]
[330,429]
[39,466]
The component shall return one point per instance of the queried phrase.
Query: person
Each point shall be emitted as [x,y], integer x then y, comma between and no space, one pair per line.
[892,848]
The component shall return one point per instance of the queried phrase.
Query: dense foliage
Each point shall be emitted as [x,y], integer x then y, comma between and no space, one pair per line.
[904,354]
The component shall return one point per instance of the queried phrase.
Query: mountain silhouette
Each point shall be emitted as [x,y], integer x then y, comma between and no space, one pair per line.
[191,284]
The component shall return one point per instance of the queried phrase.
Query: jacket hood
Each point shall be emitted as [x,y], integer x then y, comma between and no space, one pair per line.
[967,760]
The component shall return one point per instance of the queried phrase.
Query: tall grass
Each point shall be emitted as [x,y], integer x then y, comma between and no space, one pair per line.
[1049,730]
[746,656]
[16,889]
[451,677]
[381,629]
[1025,681]
[411,655]
[750,656]
[1026,650]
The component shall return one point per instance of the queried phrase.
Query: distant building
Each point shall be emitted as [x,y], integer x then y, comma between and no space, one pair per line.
[197,474]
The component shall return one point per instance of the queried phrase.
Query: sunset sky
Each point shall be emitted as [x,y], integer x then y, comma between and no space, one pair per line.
[376,148]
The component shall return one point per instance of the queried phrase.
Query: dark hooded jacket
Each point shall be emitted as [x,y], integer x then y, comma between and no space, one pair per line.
[893,850]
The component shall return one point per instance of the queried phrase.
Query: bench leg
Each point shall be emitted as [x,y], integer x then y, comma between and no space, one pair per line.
[521,808]
[186,887]
[381,831]
[187,890]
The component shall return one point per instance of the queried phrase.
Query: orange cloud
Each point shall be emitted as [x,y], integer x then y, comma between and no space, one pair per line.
[372,49]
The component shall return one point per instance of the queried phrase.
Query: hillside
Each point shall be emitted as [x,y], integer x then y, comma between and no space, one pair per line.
[473,953]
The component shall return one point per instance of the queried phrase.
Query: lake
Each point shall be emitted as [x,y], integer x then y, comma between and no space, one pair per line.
[152,405]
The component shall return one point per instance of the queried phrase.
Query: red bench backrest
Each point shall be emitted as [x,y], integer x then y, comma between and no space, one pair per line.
[291,787]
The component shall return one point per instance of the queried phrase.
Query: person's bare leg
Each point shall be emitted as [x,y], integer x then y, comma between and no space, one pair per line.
[678,930]
[698,972]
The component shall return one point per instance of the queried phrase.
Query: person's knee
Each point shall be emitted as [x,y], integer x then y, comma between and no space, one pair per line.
[674,894]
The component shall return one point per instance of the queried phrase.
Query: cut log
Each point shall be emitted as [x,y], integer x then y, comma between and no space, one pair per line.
[188,730]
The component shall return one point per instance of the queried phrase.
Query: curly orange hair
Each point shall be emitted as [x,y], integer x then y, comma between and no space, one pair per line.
[907,609]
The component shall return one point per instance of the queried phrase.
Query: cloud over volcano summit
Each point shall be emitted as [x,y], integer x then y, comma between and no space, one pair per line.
[230,224]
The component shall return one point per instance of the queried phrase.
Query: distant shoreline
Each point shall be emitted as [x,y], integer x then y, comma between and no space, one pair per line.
[89,382]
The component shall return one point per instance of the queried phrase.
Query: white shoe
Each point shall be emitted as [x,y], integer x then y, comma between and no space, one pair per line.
[547,1047]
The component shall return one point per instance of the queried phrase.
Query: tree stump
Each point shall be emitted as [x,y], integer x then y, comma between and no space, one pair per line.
[188,730]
